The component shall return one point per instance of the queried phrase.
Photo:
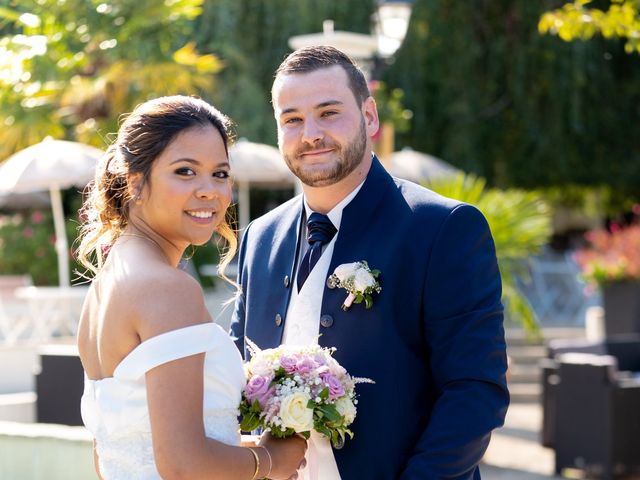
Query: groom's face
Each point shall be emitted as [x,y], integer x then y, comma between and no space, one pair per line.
[323,133]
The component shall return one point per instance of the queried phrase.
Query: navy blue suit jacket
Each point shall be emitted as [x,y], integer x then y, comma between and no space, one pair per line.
[433,340]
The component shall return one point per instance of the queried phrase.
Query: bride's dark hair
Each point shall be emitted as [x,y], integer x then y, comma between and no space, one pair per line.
[142,137]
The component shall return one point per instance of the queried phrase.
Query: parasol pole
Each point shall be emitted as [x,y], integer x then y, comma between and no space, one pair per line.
[62,246]
[243,204]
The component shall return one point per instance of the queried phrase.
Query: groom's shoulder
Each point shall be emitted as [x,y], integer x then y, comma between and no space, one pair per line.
[423,201]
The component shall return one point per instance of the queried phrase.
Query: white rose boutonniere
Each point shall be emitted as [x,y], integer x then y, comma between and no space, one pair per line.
[357,279]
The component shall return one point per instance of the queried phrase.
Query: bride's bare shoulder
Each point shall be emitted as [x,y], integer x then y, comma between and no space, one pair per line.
[163,298]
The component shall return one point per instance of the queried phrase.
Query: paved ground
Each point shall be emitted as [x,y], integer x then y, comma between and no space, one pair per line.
[515,452]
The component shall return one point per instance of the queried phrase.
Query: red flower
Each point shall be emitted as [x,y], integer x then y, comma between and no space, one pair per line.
[37,217]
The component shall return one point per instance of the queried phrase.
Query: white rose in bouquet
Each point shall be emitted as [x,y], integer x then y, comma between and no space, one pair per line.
[295,414]
[346,408]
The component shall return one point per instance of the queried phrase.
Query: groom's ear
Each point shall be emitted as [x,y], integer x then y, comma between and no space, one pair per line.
[370,113]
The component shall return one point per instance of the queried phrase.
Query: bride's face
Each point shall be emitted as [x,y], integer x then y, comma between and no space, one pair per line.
[189,189]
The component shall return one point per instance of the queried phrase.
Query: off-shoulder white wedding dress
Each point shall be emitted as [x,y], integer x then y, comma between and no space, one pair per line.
[115,409]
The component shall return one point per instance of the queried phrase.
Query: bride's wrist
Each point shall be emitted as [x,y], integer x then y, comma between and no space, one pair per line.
[269,459]
[263,462]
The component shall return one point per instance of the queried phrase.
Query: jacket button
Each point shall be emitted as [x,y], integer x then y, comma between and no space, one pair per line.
[286,281]
[326,321]
[278,320]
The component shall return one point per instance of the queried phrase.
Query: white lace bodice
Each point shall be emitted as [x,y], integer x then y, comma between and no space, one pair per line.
[115,409]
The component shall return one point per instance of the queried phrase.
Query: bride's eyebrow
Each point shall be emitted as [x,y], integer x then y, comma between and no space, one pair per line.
[193,161]
[185,159]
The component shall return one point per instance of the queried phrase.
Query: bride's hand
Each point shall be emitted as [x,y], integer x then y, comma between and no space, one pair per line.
[287,455]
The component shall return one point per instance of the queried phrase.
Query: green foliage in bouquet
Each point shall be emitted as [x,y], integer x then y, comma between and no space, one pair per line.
[328,421]
[520,222]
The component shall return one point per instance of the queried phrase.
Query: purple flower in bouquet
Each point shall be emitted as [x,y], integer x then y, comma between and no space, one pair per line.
[289,363]
[320,358]
[258,388]
[336,389]
[306,365]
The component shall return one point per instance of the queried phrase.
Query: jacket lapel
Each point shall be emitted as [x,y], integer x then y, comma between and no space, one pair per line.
[357,217]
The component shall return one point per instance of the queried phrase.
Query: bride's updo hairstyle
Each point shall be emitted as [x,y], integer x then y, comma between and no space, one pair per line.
[142,137]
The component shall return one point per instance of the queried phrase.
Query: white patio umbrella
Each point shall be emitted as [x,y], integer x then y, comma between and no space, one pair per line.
[418,167]
[22,201]
[256,163]
[51,165]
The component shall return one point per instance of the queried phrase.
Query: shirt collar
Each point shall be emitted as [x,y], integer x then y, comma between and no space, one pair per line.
[335,214]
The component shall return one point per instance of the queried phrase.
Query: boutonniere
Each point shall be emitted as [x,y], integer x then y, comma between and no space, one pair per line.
[357,279]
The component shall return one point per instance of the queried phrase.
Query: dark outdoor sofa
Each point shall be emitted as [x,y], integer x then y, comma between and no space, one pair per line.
[591,405]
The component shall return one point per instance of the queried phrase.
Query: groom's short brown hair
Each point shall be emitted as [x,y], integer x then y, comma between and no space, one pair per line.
[310,59]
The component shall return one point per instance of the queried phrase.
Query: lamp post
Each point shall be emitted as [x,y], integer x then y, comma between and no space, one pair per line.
[391,21]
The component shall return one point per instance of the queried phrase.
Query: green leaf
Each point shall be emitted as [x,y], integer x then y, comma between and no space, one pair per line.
[9,14]
[324,394]
[321,428]
[249,422]
[368,301]
[330,413]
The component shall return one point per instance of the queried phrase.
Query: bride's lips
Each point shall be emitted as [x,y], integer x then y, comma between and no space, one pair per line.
[201,216]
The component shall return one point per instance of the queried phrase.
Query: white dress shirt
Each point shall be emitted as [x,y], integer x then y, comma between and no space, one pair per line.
[302,327]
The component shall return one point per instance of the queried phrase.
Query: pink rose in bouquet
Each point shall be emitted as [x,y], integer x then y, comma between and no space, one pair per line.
[293,389]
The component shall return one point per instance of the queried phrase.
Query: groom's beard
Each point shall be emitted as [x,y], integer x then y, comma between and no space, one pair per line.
[349,157]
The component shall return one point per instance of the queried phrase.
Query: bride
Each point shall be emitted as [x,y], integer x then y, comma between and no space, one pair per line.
[162,381]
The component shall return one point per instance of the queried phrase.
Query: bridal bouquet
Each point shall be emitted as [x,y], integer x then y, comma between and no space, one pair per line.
[292,389]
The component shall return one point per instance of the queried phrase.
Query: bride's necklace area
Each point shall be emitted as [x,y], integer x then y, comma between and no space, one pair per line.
[149,239]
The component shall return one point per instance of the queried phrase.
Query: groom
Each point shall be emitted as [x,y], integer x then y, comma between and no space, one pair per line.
[433,340]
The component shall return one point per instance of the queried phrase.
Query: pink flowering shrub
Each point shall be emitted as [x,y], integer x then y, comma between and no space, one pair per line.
[612,255]
[27,246]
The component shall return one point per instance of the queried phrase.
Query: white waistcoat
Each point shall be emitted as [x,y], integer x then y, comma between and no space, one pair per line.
[302,327]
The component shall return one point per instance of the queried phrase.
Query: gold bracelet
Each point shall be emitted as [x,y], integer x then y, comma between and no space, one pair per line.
[270,461]
[255,456]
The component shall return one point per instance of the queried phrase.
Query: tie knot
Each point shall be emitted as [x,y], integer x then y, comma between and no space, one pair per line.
[320,229]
